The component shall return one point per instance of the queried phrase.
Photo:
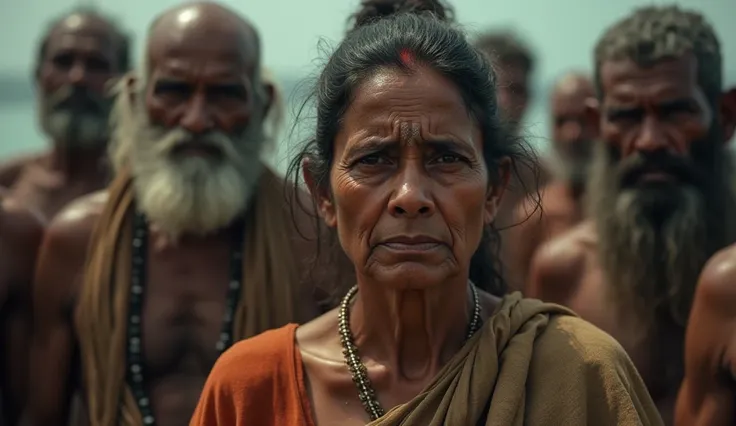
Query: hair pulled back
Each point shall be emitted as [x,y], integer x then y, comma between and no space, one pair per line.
[377,45]
[373,10]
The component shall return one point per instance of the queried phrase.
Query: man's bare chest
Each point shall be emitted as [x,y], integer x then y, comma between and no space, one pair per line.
[182,309]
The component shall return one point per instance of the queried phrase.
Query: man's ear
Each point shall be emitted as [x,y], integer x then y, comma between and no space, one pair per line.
[593,114]
[496,191]
[320,194]
[727,111]
[270,95]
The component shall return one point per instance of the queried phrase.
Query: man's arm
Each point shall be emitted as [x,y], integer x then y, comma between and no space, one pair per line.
[708,393]
[20,235]
[556,268]
[53,347]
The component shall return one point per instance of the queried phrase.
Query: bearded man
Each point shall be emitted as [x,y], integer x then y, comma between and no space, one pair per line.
[559,206]
[21,230]
[661,195]
[78,57]
[194,245]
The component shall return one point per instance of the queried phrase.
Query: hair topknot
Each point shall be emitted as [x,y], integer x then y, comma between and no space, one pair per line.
[372,10]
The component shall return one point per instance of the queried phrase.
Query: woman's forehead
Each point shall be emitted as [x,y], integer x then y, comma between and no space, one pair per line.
[394,95]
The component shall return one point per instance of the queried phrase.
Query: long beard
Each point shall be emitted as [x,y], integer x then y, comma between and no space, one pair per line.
[76,117]
[196,195]
[654,241]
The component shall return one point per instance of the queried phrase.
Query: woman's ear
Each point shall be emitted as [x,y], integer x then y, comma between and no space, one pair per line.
[727,111]
[496,190]
[320,194]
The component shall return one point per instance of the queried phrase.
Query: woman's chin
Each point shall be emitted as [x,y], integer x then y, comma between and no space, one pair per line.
[411,275]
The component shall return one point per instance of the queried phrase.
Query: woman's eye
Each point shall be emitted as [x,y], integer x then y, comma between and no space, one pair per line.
[372,160]
[448,158]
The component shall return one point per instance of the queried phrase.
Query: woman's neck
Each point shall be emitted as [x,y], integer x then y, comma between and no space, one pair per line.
[413,331]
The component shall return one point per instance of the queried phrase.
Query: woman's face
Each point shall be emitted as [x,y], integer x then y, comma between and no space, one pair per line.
[409,192]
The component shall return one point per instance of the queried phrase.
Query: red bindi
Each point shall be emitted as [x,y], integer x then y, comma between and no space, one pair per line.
[407,57]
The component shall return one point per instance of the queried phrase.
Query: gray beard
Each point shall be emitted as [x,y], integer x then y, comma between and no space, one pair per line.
[186,195]
[78,129]
[653,243]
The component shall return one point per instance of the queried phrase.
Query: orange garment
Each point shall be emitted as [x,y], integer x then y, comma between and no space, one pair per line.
[532,363]
[269,385]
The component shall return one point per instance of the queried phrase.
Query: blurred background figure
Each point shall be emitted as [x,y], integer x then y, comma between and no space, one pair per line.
[514,63]
[79,54]
[559,206]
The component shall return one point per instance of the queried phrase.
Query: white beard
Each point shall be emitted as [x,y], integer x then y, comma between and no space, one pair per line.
[184,195]
[195,196]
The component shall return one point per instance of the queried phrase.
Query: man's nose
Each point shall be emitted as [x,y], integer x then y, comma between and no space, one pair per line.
[652,138]
[197,118]
[78,74]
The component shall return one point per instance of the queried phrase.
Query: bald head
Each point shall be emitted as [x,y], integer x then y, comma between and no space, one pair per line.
[573,85]
[91,23]
[571,129]
[80,54]
[199,27]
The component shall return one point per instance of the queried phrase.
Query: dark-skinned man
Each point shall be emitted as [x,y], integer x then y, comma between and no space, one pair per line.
[708,393]
[21,230]
[194,241]
[661,195]
[560,204]
[78,57]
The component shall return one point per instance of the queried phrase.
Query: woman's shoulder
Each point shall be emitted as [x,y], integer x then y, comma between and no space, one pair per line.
[581,340]
[257,360]
[254,382]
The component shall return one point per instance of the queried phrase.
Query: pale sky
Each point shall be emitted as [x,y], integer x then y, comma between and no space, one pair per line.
[562,33]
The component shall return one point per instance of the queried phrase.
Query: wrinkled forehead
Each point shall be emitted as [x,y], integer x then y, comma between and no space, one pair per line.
[392,96]
[673,77]
[78,29]
[202,50]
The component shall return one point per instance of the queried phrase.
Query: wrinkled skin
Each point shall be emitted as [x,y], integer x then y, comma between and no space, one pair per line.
[409,194]
[645,113]
[201,79]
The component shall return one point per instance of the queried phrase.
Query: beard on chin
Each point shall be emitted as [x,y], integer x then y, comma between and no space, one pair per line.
[193,194]
[655,237]
[76,116]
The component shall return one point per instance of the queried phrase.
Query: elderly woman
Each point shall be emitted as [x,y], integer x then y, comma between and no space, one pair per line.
[408,165]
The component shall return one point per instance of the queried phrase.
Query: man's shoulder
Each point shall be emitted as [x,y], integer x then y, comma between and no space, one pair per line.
[19,220]
[74,224]
[716,284]
[565,253]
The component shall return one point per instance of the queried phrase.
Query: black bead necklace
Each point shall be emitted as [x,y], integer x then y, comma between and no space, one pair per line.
[359,373]
[134,358]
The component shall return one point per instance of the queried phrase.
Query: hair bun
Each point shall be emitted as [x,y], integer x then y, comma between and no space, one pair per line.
[373,10]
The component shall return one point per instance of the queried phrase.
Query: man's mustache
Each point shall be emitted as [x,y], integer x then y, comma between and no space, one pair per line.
[685,170]
[77,98]
[217,143]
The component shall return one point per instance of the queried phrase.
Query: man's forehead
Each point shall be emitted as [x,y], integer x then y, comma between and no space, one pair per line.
[200,33]
[83,25]
[680,71]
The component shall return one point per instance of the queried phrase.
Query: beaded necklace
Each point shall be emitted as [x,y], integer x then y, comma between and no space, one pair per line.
[134,358]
